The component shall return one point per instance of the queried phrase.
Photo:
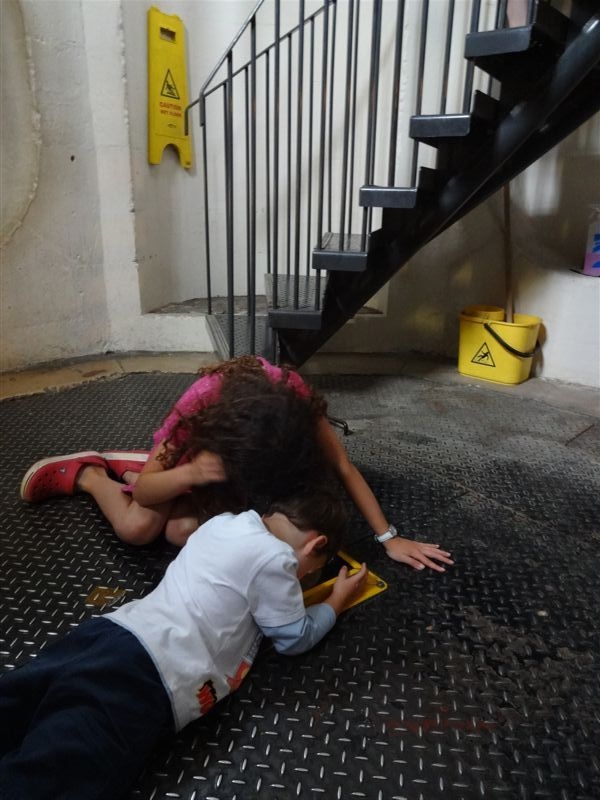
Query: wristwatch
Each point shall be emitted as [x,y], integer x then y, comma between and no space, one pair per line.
[391,533]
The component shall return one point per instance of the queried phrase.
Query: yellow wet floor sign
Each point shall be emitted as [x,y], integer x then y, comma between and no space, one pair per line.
[167,87]
[319,593]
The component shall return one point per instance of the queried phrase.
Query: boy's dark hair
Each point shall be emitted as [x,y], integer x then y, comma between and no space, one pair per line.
[322,510]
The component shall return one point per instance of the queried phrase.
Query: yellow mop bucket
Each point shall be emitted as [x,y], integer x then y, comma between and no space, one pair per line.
[494,350]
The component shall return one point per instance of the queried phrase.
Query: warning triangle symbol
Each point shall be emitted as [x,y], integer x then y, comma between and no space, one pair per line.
[483,356]
[168,88]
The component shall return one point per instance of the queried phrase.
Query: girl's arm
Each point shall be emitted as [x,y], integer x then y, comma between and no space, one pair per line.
[416,554]
[156,484]
[354,483]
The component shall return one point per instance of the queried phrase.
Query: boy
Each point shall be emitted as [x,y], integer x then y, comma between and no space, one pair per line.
[81,720]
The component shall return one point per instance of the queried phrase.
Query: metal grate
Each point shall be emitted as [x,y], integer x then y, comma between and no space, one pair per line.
[482,682]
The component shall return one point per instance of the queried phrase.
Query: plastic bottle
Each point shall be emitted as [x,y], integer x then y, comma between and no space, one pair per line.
[591,264]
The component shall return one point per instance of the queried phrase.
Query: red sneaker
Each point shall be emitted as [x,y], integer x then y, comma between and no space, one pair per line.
[121,461]
[55,476]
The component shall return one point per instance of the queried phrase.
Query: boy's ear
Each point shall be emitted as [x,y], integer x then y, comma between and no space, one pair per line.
[314,544]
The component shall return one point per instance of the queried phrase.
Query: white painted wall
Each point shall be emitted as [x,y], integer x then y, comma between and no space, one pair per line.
[52,290]
[119,167]
[95,236]
[551,215]
[69,282]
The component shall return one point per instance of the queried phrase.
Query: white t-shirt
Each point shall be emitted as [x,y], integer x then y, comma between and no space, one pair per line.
[200,623]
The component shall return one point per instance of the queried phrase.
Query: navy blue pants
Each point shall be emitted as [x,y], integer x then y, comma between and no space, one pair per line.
[81,720]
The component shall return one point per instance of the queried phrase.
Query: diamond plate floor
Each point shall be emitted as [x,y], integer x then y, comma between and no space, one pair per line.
[483,682]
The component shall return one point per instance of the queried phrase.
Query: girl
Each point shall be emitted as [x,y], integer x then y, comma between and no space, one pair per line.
[244,428]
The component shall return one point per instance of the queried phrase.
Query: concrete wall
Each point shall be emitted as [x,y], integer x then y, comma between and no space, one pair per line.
[69,282]
[94,237]
[53,291]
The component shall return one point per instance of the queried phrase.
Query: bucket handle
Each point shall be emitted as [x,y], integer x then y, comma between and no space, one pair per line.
[507,346]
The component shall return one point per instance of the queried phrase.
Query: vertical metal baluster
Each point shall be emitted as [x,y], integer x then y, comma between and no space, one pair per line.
[310,145]
[396,93]
[346,134]
[268,157]
[276,113]
[420,79]
[376,93]
[247,176]
[449,27]
[353,125]
[372,115]
[252,234]
[323,123]
[470,66]
[331,97]
[501,18]
[228,116]
[288,264]
[299,101]
[501,22]
[532,7]
[206,214]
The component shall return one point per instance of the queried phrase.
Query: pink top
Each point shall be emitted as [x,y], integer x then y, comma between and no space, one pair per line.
[206,391]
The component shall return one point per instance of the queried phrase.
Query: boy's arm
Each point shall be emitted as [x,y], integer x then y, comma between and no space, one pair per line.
[300,636]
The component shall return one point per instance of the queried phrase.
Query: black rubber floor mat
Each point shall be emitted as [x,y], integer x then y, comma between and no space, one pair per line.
[482,682]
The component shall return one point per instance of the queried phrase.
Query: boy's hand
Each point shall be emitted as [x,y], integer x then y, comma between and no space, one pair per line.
[206,467]
[346,587]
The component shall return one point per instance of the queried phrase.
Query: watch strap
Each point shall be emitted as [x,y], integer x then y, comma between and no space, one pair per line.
[391,533]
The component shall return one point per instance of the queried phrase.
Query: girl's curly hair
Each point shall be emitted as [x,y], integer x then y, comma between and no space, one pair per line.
[264,432]
[236,368]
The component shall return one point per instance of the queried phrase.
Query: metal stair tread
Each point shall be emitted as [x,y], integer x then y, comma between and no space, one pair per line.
[498,42]
[440,126]
[296,301]
[550,25]
[520,55]
[388,197]
[439,129]
[306,287]
[295,319]
[342,252]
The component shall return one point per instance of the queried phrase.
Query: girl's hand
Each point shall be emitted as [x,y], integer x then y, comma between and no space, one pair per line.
[346,587]
[417,555]
[206,467]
